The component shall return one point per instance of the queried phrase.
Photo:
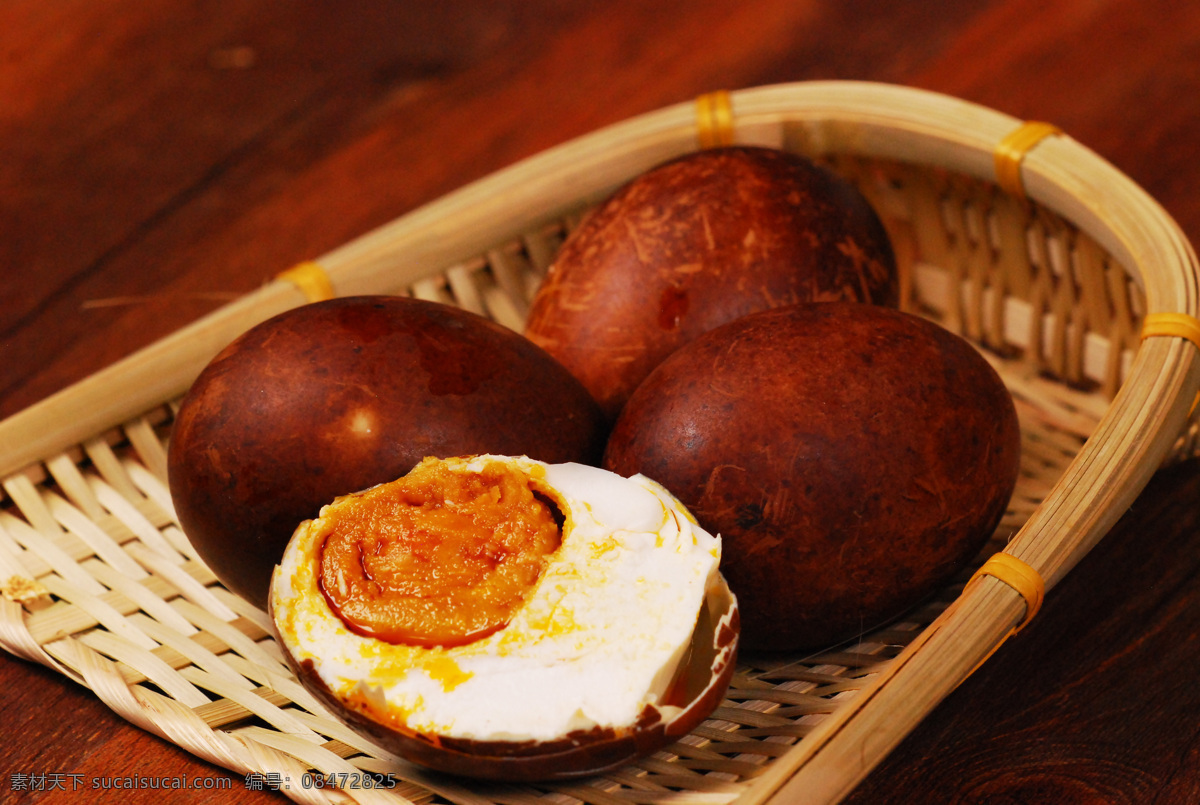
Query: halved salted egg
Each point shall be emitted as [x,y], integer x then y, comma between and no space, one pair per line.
[504,618]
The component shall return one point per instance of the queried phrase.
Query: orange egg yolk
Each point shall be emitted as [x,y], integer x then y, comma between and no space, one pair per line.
[441,557]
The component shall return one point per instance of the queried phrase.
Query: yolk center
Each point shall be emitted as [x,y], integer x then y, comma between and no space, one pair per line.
[440,557]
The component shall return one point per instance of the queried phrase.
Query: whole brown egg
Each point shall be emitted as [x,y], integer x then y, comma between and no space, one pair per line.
[697,242]
[334,397]
[853,458]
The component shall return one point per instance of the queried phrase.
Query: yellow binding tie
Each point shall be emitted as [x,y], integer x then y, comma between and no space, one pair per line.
[1011,151]
[1174,324]
[714,119]
[1017,575]
[1021,577]
[311,279]
[1179,324]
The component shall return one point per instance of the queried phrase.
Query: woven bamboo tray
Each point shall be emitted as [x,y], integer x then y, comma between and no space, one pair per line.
[1050,260]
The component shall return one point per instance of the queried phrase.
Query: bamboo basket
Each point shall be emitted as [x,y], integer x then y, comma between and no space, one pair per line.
[1054,263]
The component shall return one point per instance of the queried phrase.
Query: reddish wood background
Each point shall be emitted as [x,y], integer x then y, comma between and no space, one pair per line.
[159,158]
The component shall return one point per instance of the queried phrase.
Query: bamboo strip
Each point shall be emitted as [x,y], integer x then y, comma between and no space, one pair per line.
[179,578]
[189,650]
[290,772]
[140,597]
[279,718]
[134,519]
[63,564]
[352,741]
[71,481]
[85,528]
[111,471]
[134,661]
[226,713]
[238,634]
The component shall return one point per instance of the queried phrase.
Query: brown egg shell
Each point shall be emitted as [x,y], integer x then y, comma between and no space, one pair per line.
[697,242]
[852,458]
[338,396]
[702,681]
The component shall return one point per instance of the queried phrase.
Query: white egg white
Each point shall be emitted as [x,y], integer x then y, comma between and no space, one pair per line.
[599,638]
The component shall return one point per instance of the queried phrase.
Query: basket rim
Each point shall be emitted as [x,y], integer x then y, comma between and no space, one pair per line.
[860,117]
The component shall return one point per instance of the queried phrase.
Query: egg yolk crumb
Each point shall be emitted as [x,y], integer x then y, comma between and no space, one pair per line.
[440,557]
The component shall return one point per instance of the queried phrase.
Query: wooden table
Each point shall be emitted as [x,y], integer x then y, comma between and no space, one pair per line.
[159,158]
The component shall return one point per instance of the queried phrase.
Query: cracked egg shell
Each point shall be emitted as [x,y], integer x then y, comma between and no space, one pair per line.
[623,644]
[330,398]
[694,243]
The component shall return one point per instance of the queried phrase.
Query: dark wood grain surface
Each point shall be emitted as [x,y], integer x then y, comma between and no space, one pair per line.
[162,157]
